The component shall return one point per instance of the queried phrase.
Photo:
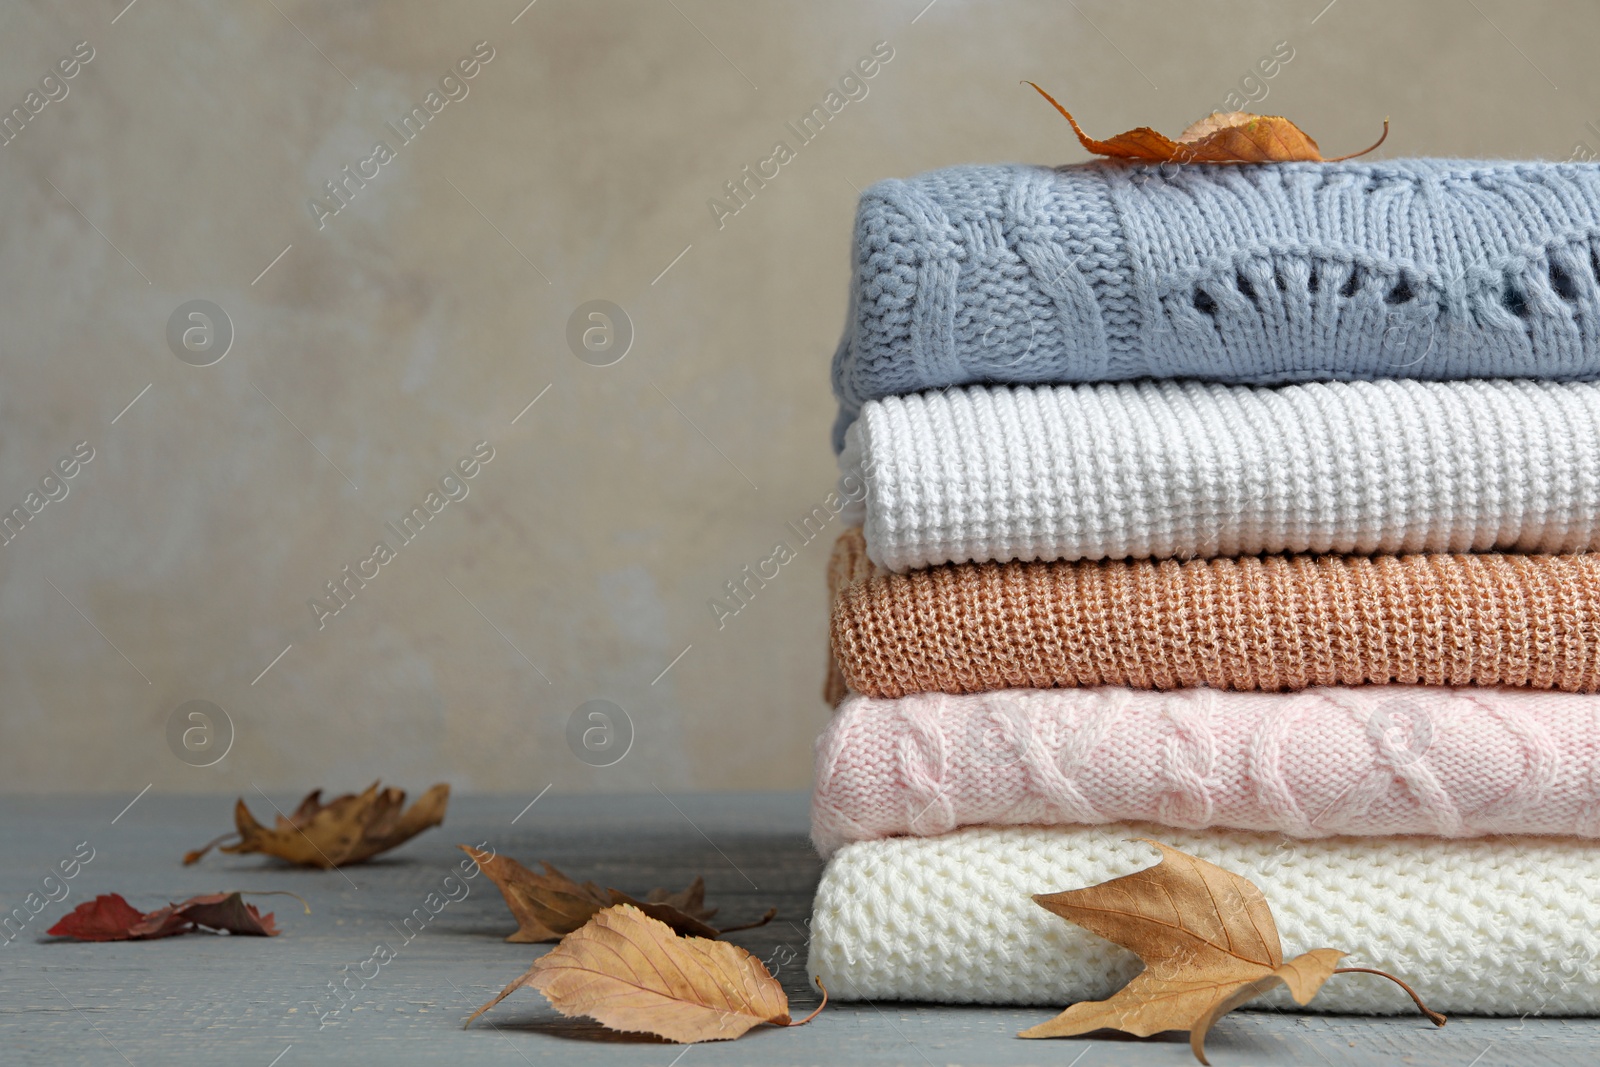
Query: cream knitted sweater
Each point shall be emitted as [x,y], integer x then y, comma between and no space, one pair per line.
[1497,926]
[1186,469]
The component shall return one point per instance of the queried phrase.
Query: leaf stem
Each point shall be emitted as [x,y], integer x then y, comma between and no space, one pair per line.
[819,1007]
[772,913]
[194,856]
[1433,1016]
[1089,143]
[1353,155]
[275,893]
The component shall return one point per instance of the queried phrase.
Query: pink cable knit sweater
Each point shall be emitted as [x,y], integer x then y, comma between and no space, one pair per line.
[1372,760]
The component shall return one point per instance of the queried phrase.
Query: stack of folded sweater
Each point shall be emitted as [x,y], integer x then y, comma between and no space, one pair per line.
[1242,507]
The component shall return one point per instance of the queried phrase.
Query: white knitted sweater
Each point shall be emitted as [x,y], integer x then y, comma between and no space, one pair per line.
[1496,926]
[1188,470]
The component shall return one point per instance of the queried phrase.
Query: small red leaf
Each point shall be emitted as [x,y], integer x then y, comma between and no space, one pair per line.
[105,918]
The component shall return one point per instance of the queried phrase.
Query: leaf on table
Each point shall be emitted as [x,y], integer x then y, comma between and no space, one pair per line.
[689,901]
[631,972]
[549,906]
[109,917]
[1220,137]
[348,829]
[1208,942]
[226,911]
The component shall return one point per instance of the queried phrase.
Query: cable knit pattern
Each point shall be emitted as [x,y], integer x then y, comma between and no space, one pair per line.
[1271,623]
[1414,268]
[1185,469]
[1373,760]
[1499,926]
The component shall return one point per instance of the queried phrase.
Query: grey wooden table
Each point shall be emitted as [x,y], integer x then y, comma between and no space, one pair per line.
[208,999]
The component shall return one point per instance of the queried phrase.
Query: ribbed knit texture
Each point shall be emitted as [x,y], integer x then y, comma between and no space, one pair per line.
[1272,623]
[1183,469]
[1377,760]
[1419,268]
[1500,926]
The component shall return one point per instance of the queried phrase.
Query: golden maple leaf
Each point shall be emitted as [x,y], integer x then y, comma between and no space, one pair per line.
[1220,137]
[631,972]
[347,829]
[1208,942]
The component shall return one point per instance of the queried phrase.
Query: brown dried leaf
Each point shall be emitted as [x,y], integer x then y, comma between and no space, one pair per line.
[684,910]
[1208,942]
[631,972]
[348,829]
[1220,137]
[690,900]
[214,911]
[549,906]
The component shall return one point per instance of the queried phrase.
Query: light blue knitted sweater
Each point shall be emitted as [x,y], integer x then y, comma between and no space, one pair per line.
[1417,268]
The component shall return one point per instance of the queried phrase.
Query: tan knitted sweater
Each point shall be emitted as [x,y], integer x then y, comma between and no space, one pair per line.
[1271,623]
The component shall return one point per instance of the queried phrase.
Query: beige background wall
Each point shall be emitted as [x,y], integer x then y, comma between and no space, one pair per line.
[426,314]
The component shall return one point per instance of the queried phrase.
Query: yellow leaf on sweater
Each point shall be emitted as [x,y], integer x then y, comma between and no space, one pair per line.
[1220,137]
[1208,942]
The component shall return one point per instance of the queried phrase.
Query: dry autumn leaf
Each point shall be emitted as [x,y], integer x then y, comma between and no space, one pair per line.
[347,829]
[109,917]
[1208,942]
[549,906]
[1220,137]
[631,972]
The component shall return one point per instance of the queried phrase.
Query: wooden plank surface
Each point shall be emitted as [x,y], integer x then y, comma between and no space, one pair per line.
[205,999]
